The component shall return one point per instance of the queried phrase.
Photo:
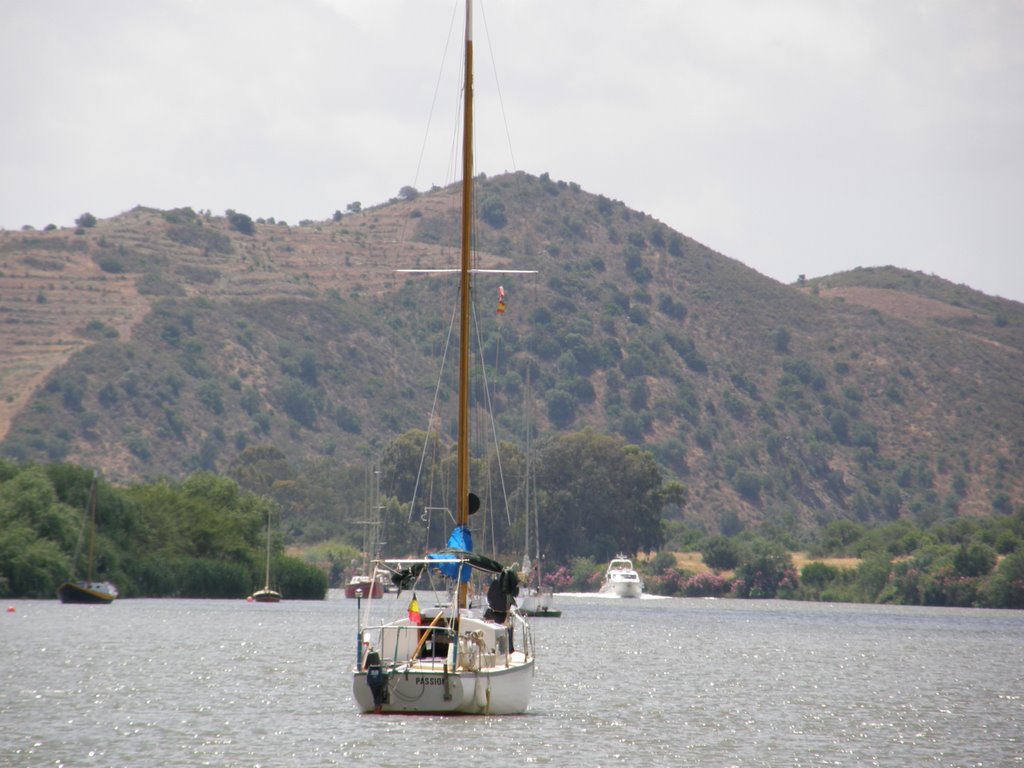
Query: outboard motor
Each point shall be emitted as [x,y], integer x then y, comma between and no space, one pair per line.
[376,680]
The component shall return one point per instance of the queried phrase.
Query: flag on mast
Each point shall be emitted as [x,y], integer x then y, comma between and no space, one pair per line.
[414,610]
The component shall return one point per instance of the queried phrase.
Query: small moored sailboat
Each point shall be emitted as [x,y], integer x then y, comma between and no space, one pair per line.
[362,585]
[534,598]
[266,595]
[89,591]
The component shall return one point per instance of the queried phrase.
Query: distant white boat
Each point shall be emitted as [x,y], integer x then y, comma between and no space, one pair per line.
[622,579]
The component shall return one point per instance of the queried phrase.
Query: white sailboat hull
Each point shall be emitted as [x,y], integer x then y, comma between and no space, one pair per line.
[500,691]
[476,667]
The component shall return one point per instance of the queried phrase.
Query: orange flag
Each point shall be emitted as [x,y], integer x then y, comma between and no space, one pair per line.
[501,300]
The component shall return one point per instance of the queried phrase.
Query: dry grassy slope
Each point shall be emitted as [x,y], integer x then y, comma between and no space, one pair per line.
[959,355]
[932,368]
[51,286]
[49,293]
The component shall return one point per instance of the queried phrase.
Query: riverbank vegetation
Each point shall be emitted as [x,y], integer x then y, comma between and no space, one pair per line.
[965,561]
[203,537]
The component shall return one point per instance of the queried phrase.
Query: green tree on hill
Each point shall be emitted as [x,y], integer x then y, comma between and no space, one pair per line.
[602,495]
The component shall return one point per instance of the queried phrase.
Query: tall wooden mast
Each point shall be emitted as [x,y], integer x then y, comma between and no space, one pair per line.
[462,455]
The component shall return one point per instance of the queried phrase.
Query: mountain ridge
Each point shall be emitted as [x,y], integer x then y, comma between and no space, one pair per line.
[162,342]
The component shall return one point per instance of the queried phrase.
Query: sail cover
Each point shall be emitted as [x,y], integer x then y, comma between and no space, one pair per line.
[456,561]
[461,538]
[459,553]
[460,543]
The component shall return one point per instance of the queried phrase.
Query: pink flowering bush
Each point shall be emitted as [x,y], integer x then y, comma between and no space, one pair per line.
[559,580]
[669,582]
[765,572]
[706,584]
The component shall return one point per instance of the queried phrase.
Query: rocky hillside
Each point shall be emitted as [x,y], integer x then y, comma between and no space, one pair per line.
[156,343]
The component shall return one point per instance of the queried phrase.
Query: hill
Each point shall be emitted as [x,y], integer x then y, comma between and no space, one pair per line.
[156,343]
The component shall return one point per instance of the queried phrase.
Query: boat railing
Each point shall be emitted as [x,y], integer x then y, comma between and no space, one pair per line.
[438,646]
[521,628]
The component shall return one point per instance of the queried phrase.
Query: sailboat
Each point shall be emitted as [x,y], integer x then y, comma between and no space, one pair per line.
[89,591]
[266,595]
[536,602]
[452,657]
[534,599]
[362,584]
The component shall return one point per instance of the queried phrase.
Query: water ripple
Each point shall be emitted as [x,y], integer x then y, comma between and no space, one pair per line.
[652,683]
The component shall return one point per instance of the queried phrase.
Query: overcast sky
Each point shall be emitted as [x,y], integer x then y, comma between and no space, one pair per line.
[797,136]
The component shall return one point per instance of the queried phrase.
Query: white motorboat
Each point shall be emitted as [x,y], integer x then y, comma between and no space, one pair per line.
[622,579]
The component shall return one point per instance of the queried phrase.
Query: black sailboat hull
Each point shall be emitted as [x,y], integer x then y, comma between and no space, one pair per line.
[87,593]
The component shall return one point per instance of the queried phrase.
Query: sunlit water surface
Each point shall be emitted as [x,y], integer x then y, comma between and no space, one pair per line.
[654,682]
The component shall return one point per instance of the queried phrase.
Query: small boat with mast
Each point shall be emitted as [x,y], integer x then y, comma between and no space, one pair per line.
[361,583]
[534,598]
[89,591]
[266,595]
[452,657]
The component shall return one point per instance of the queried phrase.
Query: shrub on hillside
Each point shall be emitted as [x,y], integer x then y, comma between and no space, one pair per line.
[240,222]
[720,553]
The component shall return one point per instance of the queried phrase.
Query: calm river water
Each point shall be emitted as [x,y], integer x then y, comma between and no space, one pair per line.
[653,682]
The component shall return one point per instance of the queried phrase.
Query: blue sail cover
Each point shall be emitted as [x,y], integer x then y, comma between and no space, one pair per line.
[461,538]
[460,541]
